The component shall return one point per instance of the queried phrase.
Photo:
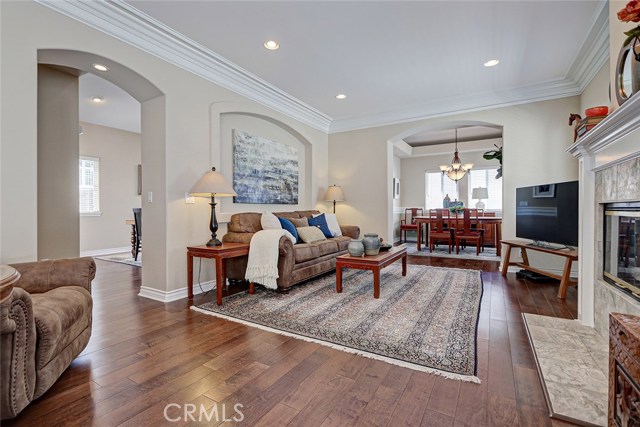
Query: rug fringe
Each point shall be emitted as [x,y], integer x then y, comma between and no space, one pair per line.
[409,365]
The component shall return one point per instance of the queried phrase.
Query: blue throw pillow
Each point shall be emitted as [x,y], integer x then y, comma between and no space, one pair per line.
[288,225]
[321,222]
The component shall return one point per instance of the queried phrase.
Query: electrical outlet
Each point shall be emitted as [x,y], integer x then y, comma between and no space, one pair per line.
[188,199]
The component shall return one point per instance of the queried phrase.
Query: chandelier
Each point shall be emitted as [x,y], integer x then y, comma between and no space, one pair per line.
[456,170]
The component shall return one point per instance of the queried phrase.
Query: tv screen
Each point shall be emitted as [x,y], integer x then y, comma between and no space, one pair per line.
[548,213]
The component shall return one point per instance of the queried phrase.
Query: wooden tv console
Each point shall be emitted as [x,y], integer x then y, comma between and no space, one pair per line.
[565,279]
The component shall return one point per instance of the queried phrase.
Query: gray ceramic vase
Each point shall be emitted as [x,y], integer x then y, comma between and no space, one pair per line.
[371,243]
[356,248]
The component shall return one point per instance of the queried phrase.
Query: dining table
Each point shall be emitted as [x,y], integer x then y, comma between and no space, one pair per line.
[426,221]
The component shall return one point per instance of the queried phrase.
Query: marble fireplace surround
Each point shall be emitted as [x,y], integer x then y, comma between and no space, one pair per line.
[609,171]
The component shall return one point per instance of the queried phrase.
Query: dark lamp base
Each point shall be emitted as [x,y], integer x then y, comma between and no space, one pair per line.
[214,242]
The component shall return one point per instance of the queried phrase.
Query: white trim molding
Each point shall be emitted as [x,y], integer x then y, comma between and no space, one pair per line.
[177,294]
[110,251]
[128,24]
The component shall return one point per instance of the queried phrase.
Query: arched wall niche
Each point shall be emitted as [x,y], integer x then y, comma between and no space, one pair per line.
[227,116]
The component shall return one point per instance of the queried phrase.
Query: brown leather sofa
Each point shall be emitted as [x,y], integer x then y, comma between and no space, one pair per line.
[296,263]
[45,323]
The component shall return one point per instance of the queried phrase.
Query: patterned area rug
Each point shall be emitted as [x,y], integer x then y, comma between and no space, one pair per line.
[124,258]
[425,321]
[489,254]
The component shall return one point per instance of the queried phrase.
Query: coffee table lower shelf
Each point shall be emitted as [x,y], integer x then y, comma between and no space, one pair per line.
[374,263]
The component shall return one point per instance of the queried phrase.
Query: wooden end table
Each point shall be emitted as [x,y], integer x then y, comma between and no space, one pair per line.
[375,263]
[220,254]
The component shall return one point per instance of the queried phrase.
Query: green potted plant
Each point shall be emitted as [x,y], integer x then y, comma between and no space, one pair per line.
[495,154]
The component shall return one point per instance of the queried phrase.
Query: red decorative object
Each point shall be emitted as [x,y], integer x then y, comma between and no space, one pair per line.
[596,111]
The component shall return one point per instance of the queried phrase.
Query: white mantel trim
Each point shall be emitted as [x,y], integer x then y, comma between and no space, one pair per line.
[617,125]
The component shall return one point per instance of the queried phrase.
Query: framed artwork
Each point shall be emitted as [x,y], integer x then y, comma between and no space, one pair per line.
[396,188]
[264,171]
[542,191]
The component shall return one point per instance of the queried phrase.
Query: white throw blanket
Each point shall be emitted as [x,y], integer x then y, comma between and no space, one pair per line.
[262,266]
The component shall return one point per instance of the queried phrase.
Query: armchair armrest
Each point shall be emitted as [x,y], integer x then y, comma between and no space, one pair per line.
[42,276]
[17,353]
[352,231]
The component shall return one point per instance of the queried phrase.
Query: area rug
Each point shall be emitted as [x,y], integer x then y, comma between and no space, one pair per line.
[123,258]
[489,254]
[425,321]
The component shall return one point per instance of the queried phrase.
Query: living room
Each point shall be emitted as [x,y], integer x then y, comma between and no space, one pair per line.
[193,98]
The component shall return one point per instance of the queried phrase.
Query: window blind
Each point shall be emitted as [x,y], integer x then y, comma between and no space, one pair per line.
[89,170]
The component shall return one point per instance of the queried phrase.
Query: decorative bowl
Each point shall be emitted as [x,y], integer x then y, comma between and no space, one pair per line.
[385,247]
[596,111]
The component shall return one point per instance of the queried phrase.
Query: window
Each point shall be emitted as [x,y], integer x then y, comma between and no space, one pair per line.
[89,186]
[486,178]
[438,186]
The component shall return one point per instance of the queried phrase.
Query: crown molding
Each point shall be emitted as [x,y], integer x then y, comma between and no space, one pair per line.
[128,24]
[592,56]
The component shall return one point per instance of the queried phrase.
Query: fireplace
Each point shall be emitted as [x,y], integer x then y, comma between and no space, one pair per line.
[621,247]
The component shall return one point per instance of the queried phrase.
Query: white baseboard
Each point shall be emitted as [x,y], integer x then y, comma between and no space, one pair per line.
[110,251]
[162,296]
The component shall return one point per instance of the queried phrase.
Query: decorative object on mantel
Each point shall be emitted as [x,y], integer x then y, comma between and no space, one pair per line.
[628,65]
[213,184]
[495,154]
[264,171]
[334,194]
[456,170]
[583,126]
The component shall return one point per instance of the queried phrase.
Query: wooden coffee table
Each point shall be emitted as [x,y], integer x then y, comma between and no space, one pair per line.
[374,263]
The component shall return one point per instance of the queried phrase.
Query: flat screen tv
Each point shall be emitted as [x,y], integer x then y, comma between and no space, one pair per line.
[548,213]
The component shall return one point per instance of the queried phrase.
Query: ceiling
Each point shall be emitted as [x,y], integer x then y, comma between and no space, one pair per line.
[119,109]
[396,61]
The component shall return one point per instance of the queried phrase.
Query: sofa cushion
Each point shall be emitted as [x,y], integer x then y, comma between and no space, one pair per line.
[288,226]
[248,222]
[305,252]
[61,315]
[288,215]
[307,214]
[268,221]
[342,242]
[321,222]
[299,222]
[326,247]
[310,234]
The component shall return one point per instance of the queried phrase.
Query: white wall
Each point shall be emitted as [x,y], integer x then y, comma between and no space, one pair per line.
[398,209]
[119,152]
[175,152]
[535,137]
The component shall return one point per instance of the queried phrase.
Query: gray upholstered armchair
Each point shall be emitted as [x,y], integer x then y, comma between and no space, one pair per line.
[45,323]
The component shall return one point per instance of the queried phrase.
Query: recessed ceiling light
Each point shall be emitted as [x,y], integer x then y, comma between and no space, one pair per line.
[100,67]
[271,44]
[491,63]
[341,96]
[97,99]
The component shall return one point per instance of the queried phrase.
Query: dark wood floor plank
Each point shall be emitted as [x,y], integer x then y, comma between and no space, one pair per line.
[144,354]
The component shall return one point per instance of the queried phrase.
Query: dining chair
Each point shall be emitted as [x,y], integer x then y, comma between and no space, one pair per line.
[137,217]
[469,230]
[409,222]
[440,230]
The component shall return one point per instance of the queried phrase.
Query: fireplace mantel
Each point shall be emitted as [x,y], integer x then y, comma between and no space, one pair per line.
[609,171]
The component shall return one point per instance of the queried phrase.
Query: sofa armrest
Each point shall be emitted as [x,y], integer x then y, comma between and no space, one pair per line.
[352,231]
[233,237]
[17,353]
[42,276]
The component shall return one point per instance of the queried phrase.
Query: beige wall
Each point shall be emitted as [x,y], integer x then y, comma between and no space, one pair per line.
[536,136]
[175,151]
[119,152]
[57,165]
[398,209]
[597,91]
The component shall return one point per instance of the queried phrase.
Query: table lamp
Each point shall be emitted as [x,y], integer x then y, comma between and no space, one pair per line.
[479,194]
[334,194]
[213,184]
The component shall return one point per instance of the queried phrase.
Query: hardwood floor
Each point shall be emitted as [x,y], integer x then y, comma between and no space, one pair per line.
[144,355]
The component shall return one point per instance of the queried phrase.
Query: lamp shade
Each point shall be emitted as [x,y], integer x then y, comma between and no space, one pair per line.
[479,193]
[334,194]
[214,183]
